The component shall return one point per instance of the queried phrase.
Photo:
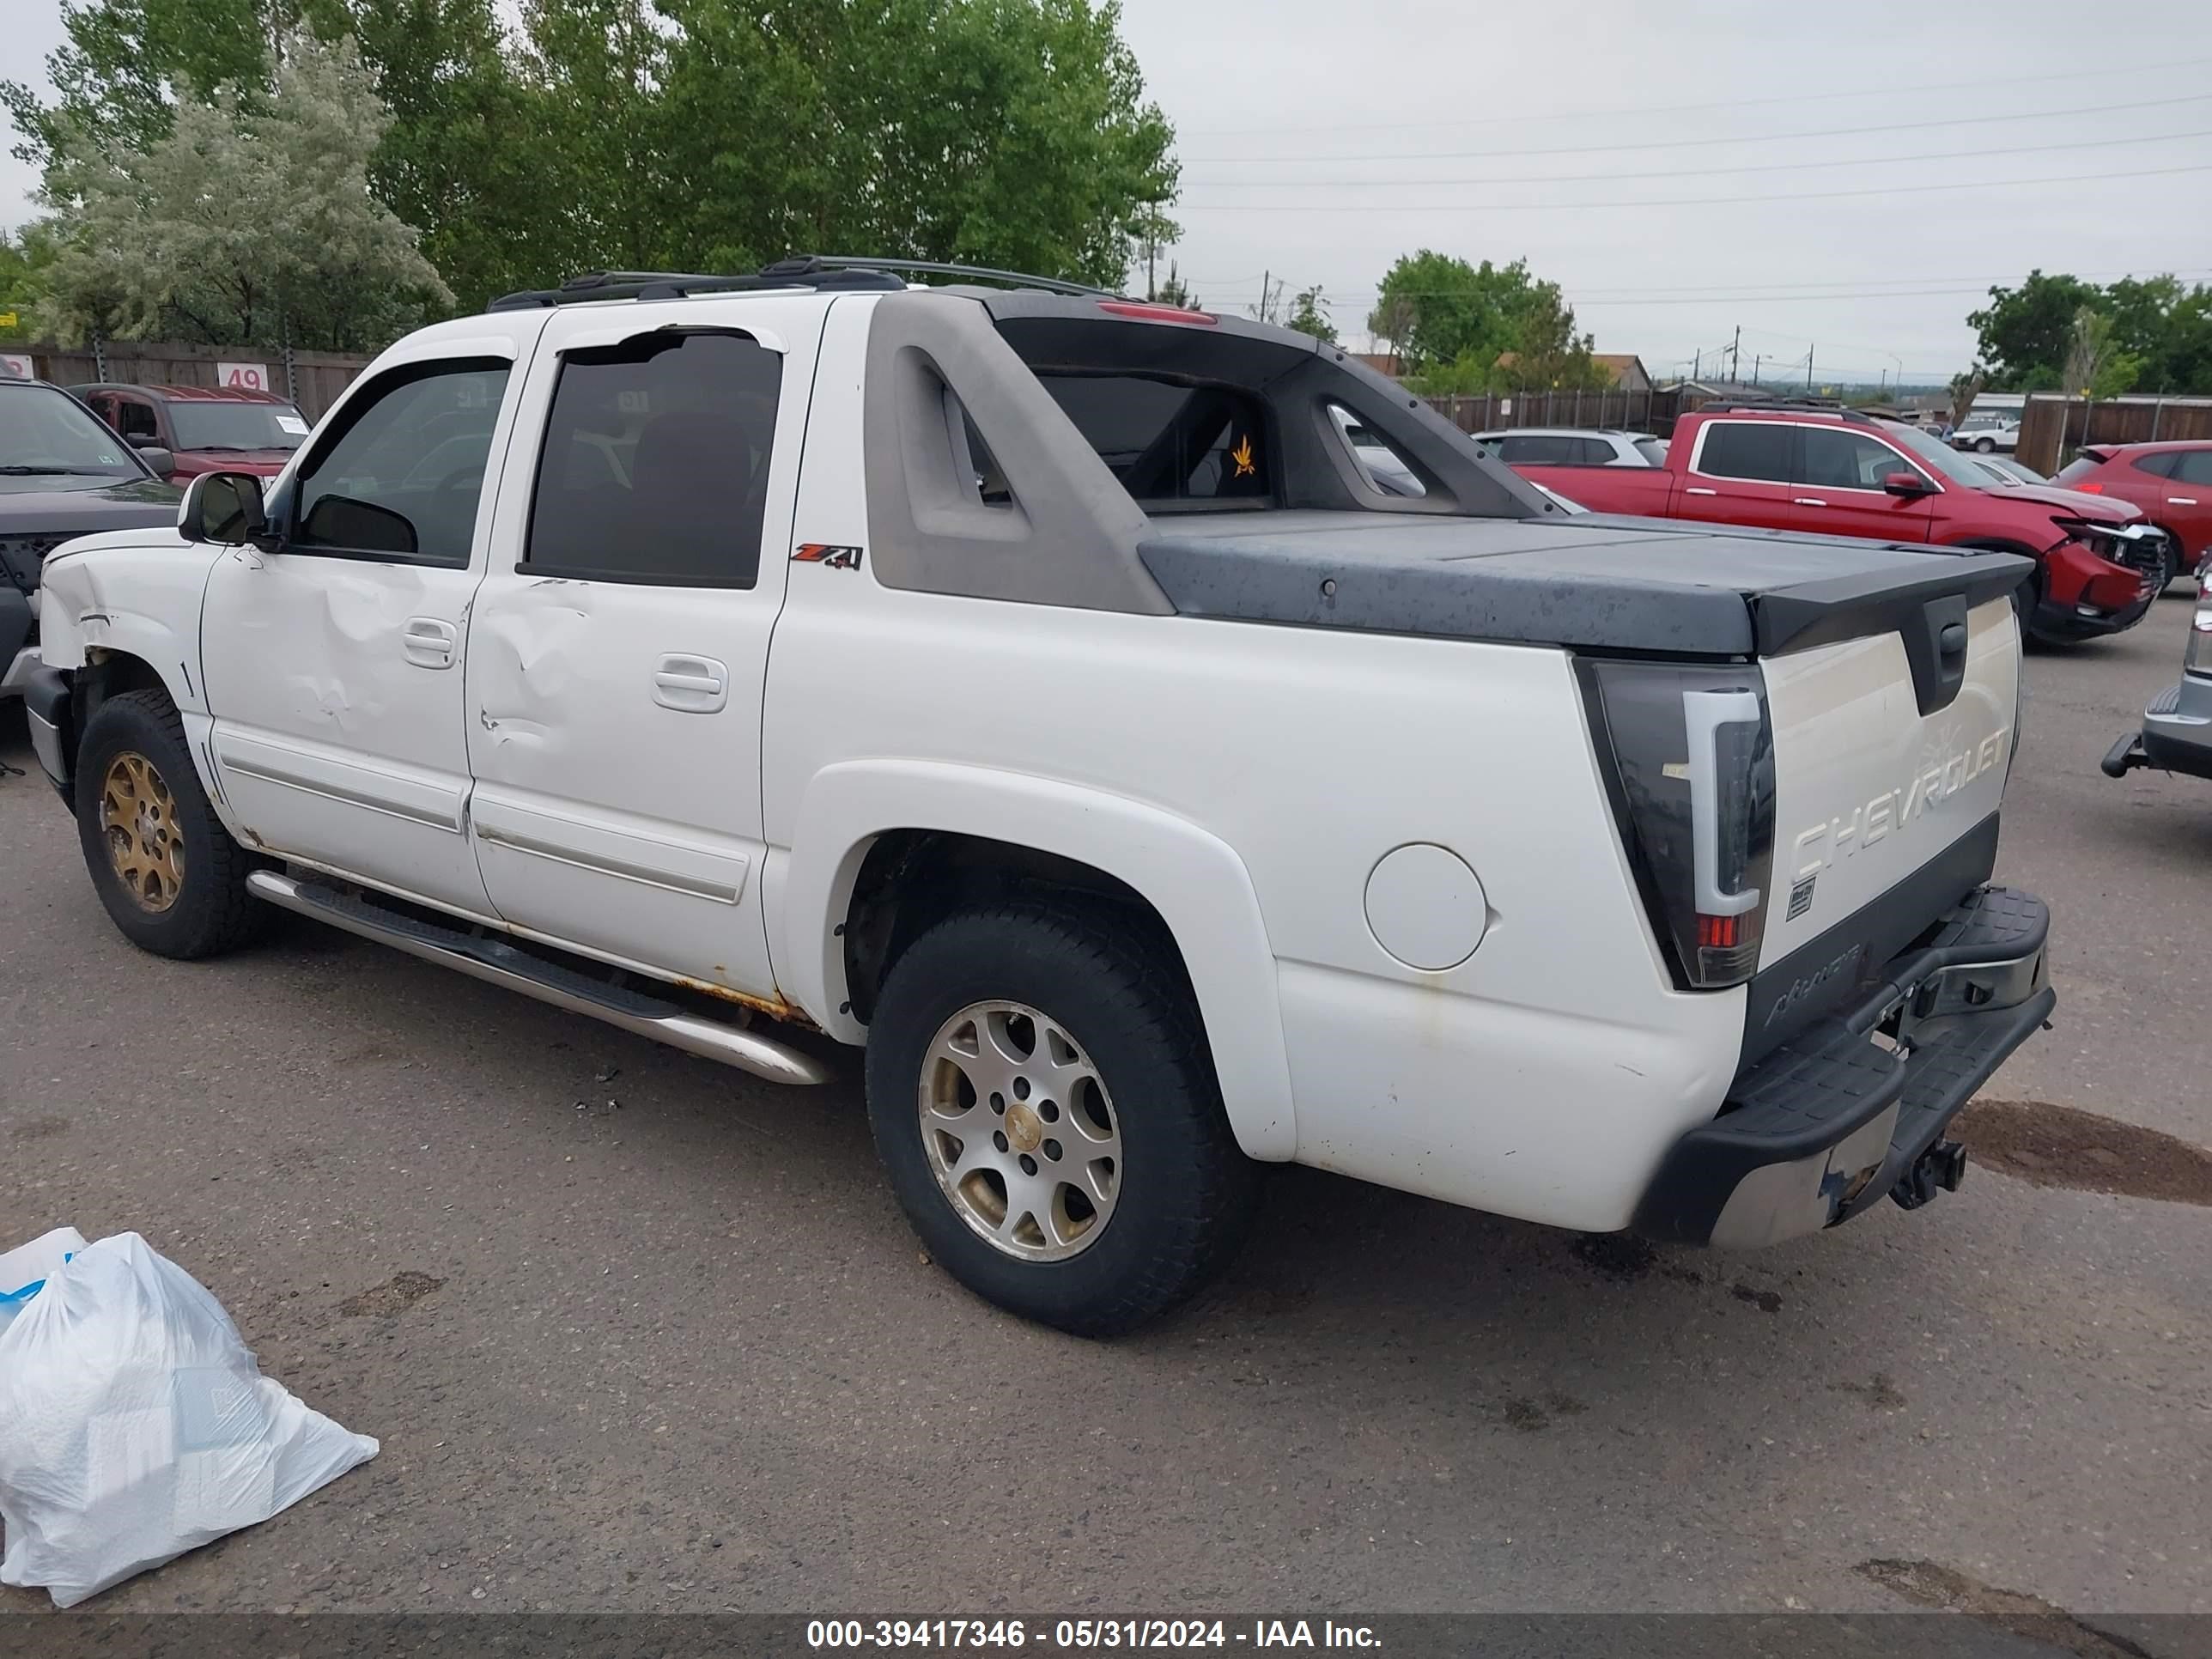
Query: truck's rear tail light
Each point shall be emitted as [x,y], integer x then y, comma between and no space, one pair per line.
[2198,659]
[1688,757]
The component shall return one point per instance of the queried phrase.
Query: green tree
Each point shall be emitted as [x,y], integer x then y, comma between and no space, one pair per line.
[1458,327]
[1307,316]
[2025,332]
[2095,366]
[1435,308]
[25,258]
[1171,290]
[1001,132]
[244,224]
[125,62]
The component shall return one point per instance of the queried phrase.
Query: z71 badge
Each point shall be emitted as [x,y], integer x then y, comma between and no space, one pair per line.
[826,553]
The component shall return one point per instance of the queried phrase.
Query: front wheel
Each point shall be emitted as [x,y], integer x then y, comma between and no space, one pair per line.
[1045,1106]
[1985,445]
[172,879]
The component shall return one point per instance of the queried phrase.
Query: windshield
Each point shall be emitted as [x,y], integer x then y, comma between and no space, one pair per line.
[237,426]
[1940,458]
[2080,467]
[46,431]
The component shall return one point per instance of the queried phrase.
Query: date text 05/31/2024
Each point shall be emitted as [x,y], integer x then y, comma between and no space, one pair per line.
[1083,1634]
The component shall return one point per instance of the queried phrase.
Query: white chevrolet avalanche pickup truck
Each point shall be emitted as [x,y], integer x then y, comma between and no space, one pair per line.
[1035,688]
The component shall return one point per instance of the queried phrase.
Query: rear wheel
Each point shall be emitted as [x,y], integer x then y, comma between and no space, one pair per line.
[1046,1108]
[170,875]
[1985,445]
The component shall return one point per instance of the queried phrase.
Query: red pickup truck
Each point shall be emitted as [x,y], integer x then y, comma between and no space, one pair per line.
[1826,471]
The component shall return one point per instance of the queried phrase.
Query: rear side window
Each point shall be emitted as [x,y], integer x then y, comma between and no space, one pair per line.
[2160,465]
[1541,449]
[2196,466]
[1756,450]
[655,465]
[1169,444]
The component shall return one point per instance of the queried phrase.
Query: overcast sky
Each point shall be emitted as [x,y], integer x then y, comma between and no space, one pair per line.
[1823,176]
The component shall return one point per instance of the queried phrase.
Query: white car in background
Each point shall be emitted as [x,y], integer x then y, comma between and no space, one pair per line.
[1987,434]
[1569,446]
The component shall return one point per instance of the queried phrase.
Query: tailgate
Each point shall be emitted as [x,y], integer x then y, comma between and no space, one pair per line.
[1888,772]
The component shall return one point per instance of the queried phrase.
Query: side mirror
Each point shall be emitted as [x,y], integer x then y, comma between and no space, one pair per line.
[162,461]
[1904,484]
[224,507]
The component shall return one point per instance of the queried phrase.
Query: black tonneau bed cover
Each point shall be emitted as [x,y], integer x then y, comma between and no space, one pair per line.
[1619,584]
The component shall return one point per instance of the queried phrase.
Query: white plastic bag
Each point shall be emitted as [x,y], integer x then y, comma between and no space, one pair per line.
[24,1273]
[134,1426]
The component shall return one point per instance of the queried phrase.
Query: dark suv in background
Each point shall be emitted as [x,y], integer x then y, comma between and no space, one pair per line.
[63,474]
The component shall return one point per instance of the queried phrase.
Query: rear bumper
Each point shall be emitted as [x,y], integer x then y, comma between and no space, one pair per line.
[1856,1106]
[2176,734]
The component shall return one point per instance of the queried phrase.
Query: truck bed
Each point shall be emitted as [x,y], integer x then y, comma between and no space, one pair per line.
[1619,584]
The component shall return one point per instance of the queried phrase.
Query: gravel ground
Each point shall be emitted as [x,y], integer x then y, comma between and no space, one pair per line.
[681,1352]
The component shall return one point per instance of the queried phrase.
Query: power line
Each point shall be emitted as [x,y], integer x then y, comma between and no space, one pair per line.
[1641,110]
[1677,173]
[1871,286]
[1749,138]
[1673,201]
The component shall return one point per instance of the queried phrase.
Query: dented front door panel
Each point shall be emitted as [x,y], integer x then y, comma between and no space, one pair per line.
[333,740]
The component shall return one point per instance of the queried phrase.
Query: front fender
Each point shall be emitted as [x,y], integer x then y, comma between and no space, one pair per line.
[140,599]
[1194,880]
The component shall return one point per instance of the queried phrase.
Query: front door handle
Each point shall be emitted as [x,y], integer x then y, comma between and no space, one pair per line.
[2181,501]
[1806,501]
[1699,490]
[691,685]
[429,642]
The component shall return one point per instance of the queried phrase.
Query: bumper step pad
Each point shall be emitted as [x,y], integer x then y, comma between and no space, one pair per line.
[1838,1116]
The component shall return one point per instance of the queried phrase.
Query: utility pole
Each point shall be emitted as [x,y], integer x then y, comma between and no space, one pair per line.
[1152,254]
[1735,357]
[1755,357]
[1697,367]
[1808,368]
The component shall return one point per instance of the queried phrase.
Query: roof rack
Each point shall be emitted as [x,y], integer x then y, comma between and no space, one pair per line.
[808,270]
[1783,405]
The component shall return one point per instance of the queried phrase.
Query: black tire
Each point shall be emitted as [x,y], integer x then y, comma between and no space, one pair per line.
[209,909]
[1185,1192]
[2169,567]
[1985,446]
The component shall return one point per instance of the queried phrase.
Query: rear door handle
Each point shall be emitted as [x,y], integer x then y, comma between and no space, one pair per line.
[1806,501]
[2181,501]
[691,685]
[430,641]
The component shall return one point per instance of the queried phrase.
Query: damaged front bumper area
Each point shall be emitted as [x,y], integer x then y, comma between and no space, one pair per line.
[1856,1106]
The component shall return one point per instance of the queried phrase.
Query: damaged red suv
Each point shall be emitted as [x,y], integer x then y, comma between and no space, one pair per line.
[206,428]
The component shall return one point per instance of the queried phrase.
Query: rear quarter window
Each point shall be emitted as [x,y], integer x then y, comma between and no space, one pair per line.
[1171,444]
[1754,450]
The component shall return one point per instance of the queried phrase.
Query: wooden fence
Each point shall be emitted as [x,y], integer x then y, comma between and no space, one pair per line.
[1650,410]
[313,380]
[2053,428]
